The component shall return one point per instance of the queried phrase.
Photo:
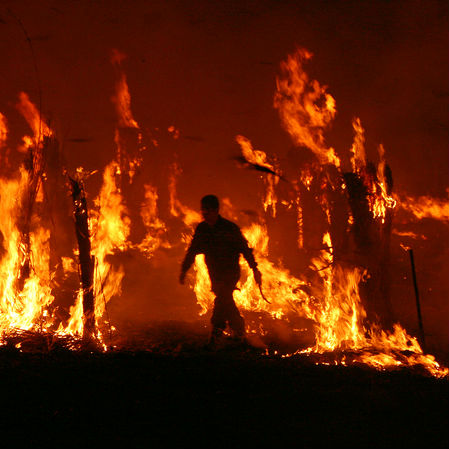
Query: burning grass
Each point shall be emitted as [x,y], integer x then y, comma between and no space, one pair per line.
[335,310]
[277,340]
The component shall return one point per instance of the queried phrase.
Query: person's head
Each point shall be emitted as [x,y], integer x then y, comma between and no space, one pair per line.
[209,208]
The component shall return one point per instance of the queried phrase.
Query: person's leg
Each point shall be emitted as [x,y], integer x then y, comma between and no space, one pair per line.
[231,312]
[225,310]
[218,319]
[236,321]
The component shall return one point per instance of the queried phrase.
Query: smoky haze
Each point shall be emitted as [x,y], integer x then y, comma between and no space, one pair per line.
[209,69]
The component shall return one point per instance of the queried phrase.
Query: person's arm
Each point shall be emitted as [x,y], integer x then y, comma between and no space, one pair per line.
[193,250]
[249,256]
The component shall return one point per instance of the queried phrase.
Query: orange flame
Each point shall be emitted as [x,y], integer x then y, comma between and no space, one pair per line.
[339,312]
[330,298]
[3,139]
[128,163]
[427,207]
[178,209]
[156,228]
[3,130]
[383,200]
[260,158]
[358,158]
[23,308]
[25,294]
[332,302]
[33,117]
[376,183]
[304,106]
[111,228]
[122,97]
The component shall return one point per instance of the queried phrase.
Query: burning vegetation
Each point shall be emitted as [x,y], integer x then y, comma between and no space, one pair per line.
[60,246]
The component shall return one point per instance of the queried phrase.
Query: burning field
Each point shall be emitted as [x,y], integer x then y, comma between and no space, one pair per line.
[347,336]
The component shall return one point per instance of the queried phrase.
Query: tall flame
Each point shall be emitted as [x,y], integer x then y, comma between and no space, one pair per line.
[122,97]
[33,117]
[327,295]
[111,228]
[156,228]
[358,158]
[304,106]
[339,313]
[25,291]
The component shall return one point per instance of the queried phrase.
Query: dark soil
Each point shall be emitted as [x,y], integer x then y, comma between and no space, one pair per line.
[186,396]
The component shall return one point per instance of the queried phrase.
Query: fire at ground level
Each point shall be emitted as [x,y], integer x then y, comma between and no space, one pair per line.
[152,382]
[180,395]
[339,244]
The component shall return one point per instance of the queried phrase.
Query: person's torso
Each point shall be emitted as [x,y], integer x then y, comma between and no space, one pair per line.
[221,245]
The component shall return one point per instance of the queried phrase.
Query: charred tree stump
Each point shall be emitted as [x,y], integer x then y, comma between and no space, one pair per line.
[86,261]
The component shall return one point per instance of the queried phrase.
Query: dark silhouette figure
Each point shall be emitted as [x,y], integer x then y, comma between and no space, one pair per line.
[221,242]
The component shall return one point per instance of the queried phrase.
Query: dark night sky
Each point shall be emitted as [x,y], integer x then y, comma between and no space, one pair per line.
[209,68]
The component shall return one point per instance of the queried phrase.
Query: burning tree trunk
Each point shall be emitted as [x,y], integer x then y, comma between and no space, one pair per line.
[371,238]
[34,166]
[57,212]
[86,261]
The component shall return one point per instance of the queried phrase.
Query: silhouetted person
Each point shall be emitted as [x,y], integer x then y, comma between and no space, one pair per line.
[221,242]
